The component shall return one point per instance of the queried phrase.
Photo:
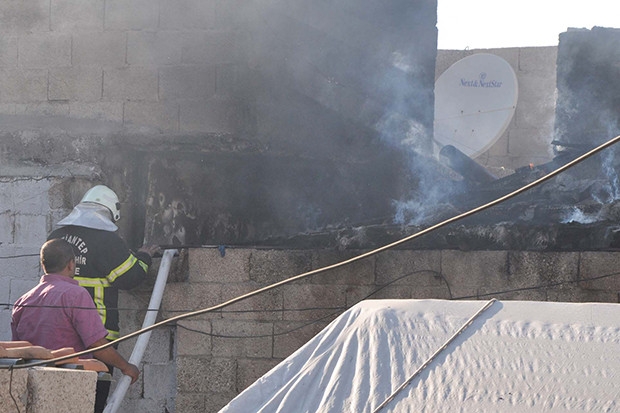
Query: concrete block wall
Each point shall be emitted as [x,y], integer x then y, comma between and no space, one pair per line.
[31,201]
[220,353]
[527,140]
[24,209]
[158,64]
[47,390]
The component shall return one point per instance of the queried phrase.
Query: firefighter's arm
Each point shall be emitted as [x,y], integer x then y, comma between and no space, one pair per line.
[131,269]
[150,250]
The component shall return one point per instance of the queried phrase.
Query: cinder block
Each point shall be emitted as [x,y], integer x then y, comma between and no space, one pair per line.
[529,142]
[76,15]
[269,266]
[44,50]
[313,302]
[355,294]
[185,297]
[159,380]
[233,80]
[161,115]
[108,111]
[538,59]
[464,292]
[6,197]
[392,292]
[21,262]
[583,296]
[190,402]
[132,83]
[23,85]
[5,282]
[336,23]
[7,109]
[498,149]
[107,49]
[208,265]
[49,108]
[361,272]
[266,306]
[418,268]
[475,268]
[446,58]
[193,338]
[13,385]
[212,48]
[575,294]
[30,197]
[535,87]
[5,322]
[8,51]
[216,401]
[132,305]
[202,375]
[7,228]
[509,54]
[30,229]
[250,370]
[530,269]
[135,390]
[21,286]
[230,13]
[131,15]
[438,293]
[539,113]
[214,115]
[25,17]
[242,339]
[290,336]
[186,82]
[64,389]
[159,348]
[145,405]
[75,83]
[155,48]
[187,14]
[599,270]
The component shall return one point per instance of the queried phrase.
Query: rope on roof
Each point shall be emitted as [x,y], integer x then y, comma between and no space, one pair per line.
[435,354]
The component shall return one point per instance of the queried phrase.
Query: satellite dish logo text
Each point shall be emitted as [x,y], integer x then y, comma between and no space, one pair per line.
[481,82]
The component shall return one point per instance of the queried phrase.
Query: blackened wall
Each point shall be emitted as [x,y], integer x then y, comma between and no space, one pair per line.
[588,82]
[336,98]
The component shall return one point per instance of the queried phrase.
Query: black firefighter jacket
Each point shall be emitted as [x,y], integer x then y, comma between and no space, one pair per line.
[104,265]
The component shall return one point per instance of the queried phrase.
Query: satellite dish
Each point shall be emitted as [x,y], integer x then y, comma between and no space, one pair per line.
[475,100]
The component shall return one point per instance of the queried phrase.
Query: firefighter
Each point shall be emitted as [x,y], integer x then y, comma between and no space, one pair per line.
[104,263]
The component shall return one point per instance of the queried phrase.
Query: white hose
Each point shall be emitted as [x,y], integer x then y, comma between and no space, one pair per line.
[138,351]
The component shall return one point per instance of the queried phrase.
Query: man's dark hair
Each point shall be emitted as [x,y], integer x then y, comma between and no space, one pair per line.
[55,255]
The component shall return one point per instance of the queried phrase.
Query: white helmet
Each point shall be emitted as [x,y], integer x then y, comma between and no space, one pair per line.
[102,195]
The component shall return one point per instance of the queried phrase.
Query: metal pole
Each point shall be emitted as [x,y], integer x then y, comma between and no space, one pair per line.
[117,397]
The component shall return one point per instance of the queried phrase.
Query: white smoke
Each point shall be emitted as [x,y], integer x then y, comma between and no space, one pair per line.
[577,216]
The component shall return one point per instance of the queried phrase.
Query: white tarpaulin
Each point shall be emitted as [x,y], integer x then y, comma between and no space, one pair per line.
[515,356]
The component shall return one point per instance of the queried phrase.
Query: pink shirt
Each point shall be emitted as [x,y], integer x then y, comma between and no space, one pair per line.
[62,315]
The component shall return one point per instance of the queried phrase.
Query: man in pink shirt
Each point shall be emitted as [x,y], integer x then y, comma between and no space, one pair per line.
[59,313]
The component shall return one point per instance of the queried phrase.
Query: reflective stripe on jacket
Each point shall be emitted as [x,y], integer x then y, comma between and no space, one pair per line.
[104,264]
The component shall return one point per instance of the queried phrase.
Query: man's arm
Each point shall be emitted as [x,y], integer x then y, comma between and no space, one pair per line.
[112,357]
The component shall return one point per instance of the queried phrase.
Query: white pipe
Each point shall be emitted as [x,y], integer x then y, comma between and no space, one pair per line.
[117,397]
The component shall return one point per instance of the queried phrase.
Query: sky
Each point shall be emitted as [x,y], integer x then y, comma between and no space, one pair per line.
[482,24]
